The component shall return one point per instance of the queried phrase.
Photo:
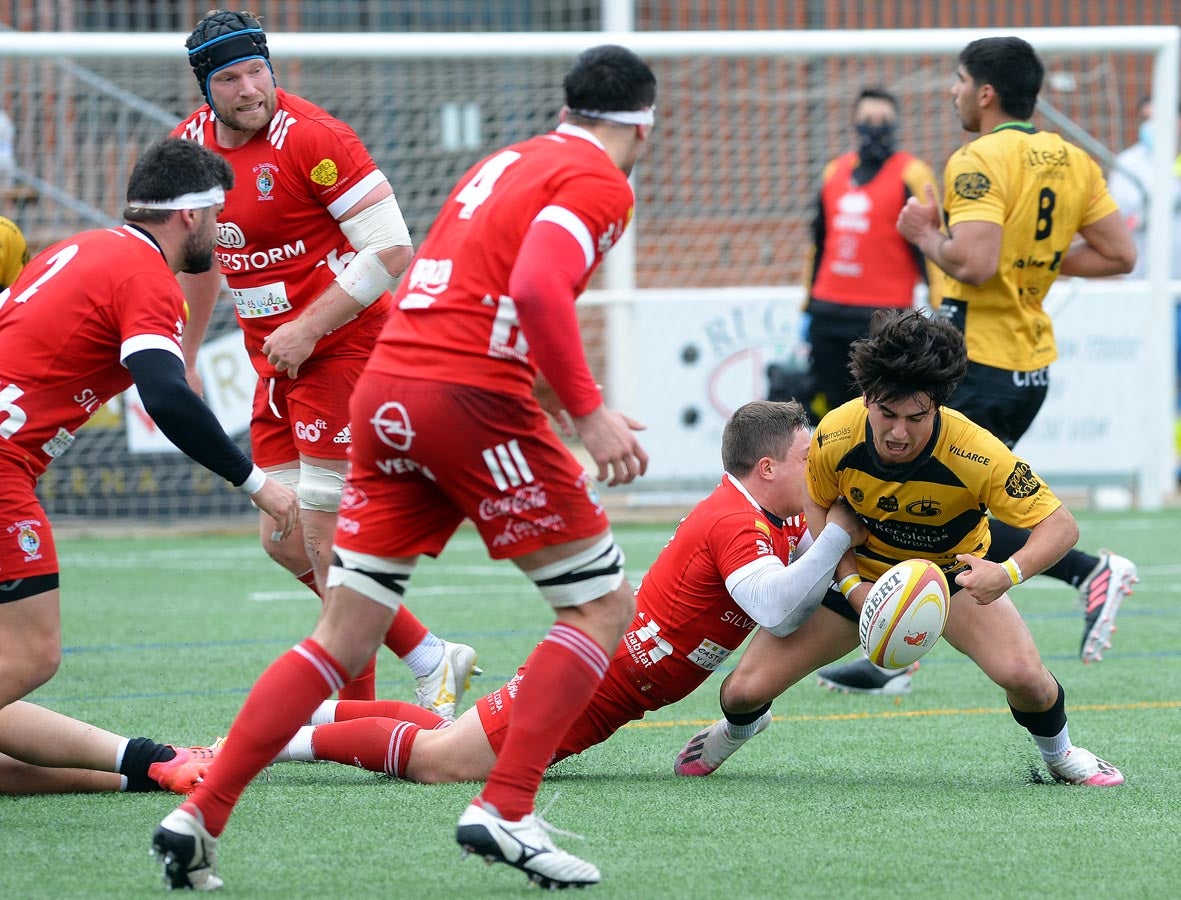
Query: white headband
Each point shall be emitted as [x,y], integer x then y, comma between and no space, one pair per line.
[646,116]
[195,200]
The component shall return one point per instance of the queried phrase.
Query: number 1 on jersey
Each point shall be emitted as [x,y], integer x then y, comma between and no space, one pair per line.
[480,188]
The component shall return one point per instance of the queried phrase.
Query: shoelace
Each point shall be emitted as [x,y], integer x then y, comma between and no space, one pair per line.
[539,818]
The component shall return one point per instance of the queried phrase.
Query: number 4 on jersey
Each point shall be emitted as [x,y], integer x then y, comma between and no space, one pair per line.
[480,188]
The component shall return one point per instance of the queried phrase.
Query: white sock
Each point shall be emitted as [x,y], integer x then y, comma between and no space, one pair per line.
[749,730]
[426,657]
[1056,747]
[299,748]
[122,780]
[119,758]
[325,713]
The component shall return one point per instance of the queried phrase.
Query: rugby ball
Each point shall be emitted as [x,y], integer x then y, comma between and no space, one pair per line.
[904,614]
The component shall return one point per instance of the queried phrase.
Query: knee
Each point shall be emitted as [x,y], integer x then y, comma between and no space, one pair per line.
[27,671]
[621,606]
[288,553]
[1027,677]
[744,692]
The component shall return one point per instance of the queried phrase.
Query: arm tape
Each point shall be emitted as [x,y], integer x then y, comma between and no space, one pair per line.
[376,228]
[781,598]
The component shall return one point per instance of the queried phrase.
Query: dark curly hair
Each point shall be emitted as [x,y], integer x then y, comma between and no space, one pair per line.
[908,353]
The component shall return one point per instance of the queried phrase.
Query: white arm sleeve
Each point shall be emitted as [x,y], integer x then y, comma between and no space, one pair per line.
[780,598]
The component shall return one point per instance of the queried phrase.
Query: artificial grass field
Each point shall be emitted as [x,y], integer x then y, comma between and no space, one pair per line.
[932,796]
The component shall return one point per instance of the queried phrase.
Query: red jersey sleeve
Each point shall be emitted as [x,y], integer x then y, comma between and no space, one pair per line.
[337,169]
[150,313]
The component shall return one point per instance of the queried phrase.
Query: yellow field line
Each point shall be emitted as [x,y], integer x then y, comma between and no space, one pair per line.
[919,713]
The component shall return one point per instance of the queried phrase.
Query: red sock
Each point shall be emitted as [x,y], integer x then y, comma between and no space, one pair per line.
[379,745]
[308,579]
[389,709]
[560,677]
[405,633]
[282,699]
[364,686]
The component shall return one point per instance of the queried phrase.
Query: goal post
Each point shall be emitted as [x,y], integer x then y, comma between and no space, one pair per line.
[704,291]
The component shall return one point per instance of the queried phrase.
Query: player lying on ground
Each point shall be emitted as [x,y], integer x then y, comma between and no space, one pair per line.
[95,760]
[736,561]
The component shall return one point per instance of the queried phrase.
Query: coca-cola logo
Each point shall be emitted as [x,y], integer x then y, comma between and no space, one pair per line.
[522,500]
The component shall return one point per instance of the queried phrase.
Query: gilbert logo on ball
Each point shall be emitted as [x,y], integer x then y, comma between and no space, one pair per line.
[904,614]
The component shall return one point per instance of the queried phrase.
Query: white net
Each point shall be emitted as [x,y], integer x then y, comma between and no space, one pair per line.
[724,196]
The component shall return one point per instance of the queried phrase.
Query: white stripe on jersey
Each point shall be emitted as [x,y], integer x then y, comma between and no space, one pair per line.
[353,195]
[563,218]
[138,342]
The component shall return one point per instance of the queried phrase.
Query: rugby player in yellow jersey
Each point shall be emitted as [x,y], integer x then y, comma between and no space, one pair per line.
[14,252]
[922,477]
[1017,201]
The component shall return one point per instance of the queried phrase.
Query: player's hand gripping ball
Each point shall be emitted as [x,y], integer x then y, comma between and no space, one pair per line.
[904,614]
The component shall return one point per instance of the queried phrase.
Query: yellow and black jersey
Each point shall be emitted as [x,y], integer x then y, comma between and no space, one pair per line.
[14,253]
[932,507]
[1040,190]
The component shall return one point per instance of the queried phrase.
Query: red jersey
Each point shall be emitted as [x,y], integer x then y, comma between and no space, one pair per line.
[866,262]
[686,623]
[76,312]
[279,243]
[454,320]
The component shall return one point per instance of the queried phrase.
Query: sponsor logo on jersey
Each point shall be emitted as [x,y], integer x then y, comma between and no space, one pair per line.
[58,444]
[709,655]
[888,504]
[924,507]
[852,214]
[738,620]
[856,495]
[764,548]
[645,645]
[431,275]
[1022,482]
[264,179]
[310,432]
[970,455]
[344,436]
[264,300]
[516,530]
[230,235]
[592,495]
[27,537]
[507,466]
[972,185]
[403,466]
[822,436]
[391,423]
[523,499]
[324,173]
[260,259]
[353,497]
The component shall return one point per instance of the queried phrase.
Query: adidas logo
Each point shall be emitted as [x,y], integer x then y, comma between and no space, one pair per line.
[345,436]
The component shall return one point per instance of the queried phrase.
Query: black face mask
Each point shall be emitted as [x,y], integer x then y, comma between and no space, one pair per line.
[875,142]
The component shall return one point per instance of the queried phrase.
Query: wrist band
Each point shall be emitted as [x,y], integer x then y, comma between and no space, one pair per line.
[254,481]
[846,585]
[1014,570]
